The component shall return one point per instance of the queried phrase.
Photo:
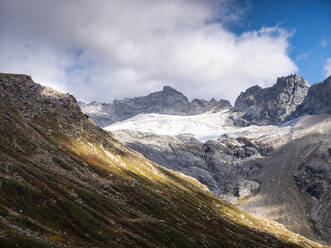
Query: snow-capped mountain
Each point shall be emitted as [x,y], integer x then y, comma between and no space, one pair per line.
[244,159]
[166,101]
[203,127]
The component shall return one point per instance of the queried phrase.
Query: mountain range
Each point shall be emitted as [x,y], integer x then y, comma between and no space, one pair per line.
[166,101]
[269,154]
[66,182]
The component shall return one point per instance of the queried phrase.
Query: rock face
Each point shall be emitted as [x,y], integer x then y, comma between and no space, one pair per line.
[317,101]
[167,101]
[65,182]
[272,105]
[213,163]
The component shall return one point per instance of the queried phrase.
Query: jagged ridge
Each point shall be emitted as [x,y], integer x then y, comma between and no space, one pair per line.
[167,101]
[272,105]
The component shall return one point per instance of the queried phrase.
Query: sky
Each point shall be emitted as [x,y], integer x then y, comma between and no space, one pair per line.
[310,22]
[110,49]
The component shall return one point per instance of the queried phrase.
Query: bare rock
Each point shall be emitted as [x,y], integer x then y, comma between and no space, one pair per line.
[272,105]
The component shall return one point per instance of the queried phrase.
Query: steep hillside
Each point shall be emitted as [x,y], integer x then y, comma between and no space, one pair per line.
[166,101]
[64,182]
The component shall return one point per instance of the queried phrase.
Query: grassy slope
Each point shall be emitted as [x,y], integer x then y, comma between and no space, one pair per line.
[66,183]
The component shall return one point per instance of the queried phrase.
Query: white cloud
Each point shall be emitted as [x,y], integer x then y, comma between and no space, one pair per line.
[112,49]
[327,67]
[45,63]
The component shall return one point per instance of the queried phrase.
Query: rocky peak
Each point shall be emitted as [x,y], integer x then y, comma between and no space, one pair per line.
[167,101]
[40,104]
[272,105]
[167,95]
[293,79]
[169,89]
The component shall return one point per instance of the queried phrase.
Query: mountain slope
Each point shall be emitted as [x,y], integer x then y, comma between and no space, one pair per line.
[166,101]
[67,183]
[279,173]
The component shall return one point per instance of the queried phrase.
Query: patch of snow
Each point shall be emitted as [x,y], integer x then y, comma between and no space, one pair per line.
[204,127]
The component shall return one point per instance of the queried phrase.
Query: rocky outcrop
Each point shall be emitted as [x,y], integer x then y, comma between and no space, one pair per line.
[167,101]
[263,106]
[213,163]
[317,101]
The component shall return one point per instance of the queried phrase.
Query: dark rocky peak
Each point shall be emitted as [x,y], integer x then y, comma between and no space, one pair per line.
[44,106]
[317,101]
[168,92]
[170,89]
[254,89]
[273,105]
[290,81]
[26,90]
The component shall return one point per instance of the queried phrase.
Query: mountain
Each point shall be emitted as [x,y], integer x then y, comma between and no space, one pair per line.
[277,172]
[65,182]
[214,162]
[317,101]
[167,101]
[274,104]
[255,106]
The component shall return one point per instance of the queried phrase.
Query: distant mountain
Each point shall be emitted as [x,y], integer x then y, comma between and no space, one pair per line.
[65,182]
[272,105]
[280,172]
[167,101]
[257,106]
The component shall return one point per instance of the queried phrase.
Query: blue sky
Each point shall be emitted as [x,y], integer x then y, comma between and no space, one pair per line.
[310,22]
[111,49]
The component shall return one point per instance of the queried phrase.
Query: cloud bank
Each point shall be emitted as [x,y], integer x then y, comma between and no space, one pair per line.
[106,49]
